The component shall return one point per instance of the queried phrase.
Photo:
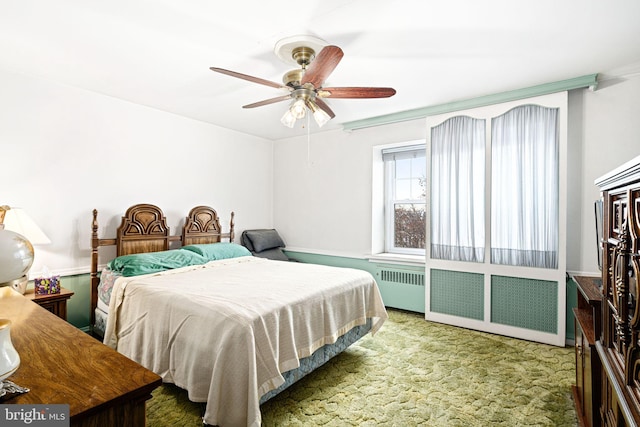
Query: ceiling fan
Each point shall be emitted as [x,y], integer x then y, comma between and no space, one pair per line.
[304,84]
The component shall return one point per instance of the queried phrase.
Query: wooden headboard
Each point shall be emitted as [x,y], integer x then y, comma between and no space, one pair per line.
[144,229]
[203,226]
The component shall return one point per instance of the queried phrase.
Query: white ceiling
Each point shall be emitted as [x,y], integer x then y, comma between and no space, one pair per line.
[158,52]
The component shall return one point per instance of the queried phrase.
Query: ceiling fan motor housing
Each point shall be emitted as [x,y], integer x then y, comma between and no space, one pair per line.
[303,93]
[292,78]
[303,55]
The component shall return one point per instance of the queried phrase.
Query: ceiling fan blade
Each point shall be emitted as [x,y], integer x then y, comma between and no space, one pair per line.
[249,78]
[267,101]
[356,92]
[324,107]
[323,64]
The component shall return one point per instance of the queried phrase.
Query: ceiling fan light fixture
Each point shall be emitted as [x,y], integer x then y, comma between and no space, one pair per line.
[288,119]
[320,116]
[298,108]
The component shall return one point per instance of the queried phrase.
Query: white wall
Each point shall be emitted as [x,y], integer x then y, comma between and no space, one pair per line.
[608,125]
[322,190]
[65,151]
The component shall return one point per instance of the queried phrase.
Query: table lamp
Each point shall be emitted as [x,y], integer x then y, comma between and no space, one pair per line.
[18,234]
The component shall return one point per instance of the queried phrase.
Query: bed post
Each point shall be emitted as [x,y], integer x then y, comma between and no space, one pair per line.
[95,242]
[231,232]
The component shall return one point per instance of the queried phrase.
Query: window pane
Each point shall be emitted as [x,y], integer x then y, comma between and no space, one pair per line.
[417,188]
[403,168]
[403,189]
[410,178]
[409,225]
[418,167]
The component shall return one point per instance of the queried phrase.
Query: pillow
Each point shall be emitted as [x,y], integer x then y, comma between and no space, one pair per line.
[262,240]
[153,262]
[244,240]
[273,253]
[214,251]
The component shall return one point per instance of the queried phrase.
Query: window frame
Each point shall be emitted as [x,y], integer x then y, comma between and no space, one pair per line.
[390,201]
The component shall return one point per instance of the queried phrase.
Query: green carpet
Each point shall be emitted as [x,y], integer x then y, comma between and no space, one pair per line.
[415,373]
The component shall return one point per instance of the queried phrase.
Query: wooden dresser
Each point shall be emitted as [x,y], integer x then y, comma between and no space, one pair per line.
[619,343]
[62,365]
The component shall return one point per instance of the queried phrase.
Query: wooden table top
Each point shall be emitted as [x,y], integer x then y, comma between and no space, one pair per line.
[590,287]
[64,293]
[60,364]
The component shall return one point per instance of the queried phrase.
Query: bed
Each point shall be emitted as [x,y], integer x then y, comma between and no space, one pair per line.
[232,329]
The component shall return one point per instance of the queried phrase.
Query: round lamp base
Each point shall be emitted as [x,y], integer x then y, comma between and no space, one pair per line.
[9,358]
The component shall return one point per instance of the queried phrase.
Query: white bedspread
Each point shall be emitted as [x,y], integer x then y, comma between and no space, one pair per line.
[226,331]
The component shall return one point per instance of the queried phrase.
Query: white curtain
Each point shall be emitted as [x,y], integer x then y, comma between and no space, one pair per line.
[458,189]
[524,187]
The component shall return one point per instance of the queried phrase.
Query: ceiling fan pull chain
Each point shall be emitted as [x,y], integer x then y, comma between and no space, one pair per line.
[308,140]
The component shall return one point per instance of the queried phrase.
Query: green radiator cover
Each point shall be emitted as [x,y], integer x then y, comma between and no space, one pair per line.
[457,293]
[525,303]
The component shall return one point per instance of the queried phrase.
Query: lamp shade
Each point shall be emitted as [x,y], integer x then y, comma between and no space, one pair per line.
[319,114]
[288,119]
[17,220]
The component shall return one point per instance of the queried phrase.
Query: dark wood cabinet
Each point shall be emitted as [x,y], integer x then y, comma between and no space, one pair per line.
[55,303]
[619,343]
[587,321]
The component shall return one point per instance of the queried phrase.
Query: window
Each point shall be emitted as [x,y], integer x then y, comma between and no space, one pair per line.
[405,194]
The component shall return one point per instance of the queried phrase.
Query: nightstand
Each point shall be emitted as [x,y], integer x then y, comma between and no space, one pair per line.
[55,303]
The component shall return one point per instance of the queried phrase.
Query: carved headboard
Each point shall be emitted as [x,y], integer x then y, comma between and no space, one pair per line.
[144,229]
[203,226]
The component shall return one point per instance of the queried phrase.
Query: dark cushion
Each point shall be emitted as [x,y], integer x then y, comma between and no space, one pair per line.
[261,240]
[244,240]
[273,253]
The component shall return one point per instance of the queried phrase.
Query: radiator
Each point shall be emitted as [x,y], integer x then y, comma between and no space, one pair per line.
[402,277]
[402,289]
